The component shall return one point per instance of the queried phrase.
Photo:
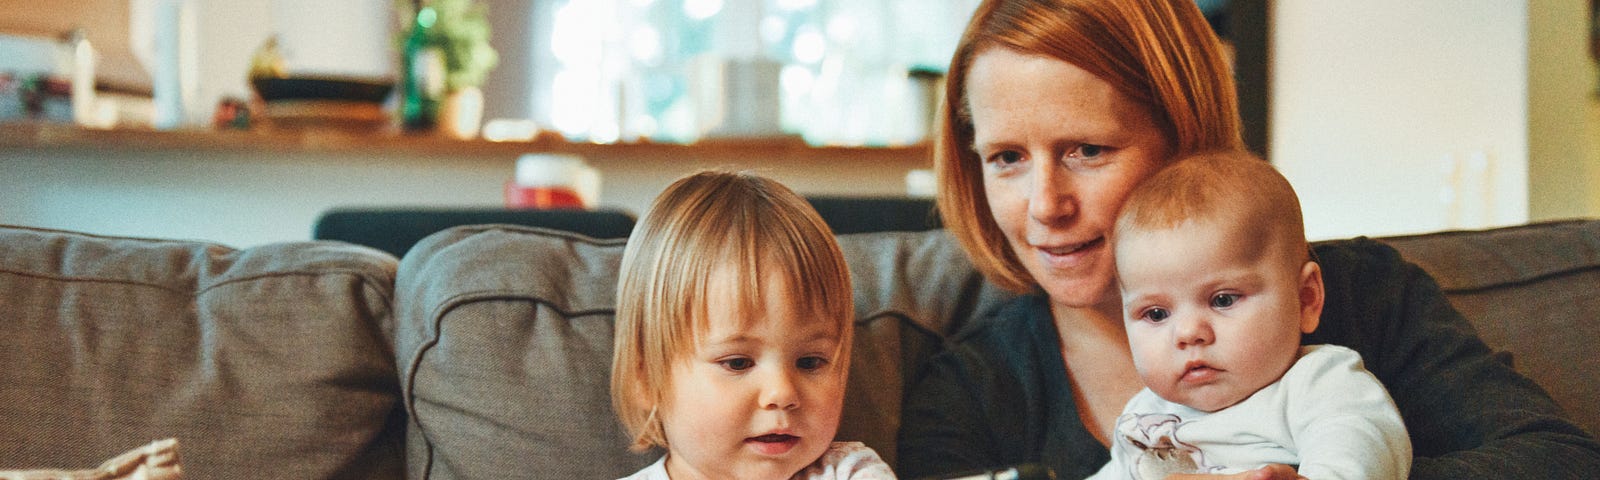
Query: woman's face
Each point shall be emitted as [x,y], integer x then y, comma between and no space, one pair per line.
[1061,149]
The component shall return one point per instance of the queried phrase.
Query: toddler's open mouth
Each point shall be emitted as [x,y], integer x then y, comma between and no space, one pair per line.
[773,443]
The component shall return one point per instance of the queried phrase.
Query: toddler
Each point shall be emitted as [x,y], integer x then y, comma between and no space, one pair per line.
[1218,285]
[733,331]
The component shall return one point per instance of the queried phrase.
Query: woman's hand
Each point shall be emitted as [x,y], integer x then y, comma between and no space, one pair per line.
[1276,471]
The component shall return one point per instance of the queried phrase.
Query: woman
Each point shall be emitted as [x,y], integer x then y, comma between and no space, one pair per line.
[1054,110]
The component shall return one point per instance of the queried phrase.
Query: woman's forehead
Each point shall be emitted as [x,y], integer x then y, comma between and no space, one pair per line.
[1009,93]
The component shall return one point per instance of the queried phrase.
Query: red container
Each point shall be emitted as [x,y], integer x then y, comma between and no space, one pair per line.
[551,180]
[545,197]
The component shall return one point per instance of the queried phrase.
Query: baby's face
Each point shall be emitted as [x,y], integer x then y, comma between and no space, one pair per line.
[761,395]
[1212,314]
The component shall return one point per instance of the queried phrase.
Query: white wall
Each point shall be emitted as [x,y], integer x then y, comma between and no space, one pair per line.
[1382,109]
[244,198]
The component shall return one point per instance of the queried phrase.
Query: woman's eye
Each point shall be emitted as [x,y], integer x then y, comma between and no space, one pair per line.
[1007,157]
[1155,315]
[738,364]
[1224,300]
[811,363]
[1088,151]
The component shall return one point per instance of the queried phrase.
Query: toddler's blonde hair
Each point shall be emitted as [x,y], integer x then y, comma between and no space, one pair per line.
[706,223]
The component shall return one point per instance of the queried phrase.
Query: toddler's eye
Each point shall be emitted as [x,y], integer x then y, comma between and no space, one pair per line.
[1224,300]
[811,363]
[738,364]
[1155,315]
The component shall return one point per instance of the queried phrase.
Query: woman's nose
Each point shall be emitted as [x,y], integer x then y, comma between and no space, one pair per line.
[1052,196]
[778,391]
[1193,331]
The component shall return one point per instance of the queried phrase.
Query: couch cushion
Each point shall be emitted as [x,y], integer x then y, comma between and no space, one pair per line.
[1531,290]
[505,345]
[270,359]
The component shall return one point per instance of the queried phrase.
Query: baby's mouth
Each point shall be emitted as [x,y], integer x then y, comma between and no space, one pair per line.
[1199,372]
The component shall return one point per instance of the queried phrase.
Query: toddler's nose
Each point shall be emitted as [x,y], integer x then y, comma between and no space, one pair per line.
[779,392]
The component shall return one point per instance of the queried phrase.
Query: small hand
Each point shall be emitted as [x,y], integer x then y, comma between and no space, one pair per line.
[1275,471]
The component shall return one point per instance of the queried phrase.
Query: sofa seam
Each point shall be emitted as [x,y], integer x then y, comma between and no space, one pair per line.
[72,278]
[366,278]
[164,241]
[1519,282]
[544,231]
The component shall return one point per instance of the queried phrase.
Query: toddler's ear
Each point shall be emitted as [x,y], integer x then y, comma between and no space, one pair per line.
[641,397]
[1311,297]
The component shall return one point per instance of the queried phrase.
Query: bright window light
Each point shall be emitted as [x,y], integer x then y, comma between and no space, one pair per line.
[702,9]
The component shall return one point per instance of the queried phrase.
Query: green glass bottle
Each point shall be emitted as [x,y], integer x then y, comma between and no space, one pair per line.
[422,72]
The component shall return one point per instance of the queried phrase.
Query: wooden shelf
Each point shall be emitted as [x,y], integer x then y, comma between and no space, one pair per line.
[51,136]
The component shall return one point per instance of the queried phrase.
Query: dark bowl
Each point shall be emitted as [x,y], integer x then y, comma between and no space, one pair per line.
[322,88]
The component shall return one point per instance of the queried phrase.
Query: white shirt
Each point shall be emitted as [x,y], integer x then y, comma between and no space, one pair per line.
[842,460]
[1328,415]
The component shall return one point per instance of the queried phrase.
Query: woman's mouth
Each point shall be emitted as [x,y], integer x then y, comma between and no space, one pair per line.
[773,443]
[1068,255]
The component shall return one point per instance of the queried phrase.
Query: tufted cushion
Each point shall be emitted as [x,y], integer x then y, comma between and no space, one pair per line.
[505,346]
[1530,290]
[270,359]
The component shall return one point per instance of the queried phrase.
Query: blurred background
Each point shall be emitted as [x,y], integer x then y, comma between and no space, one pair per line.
[1389,117]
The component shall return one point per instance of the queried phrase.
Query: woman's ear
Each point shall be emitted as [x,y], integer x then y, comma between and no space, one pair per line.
[1311,296]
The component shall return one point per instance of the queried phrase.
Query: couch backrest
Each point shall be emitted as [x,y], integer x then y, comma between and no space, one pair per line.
[505,342]
[1533,291]
[269,362]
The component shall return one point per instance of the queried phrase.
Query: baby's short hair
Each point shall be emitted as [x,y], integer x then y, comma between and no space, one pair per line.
[1232,186]
[703,224]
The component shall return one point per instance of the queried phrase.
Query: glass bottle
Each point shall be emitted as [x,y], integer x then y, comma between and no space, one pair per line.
[422,74]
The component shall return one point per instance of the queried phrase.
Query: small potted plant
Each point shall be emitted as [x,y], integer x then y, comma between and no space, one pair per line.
[452,35]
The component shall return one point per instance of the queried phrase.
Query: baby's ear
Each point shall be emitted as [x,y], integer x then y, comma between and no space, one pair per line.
[1311,296]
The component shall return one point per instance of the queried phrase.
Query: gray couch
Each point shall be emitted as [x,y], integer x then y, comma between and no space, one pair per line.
[484,353]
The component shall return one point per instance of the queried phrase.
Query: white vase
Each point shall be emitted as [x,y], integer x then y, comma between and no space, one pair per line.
[462,113]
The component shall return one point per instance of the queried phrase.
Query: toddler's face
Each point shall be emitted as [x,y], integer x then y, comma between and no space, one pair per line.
[1212,314]
[761,395]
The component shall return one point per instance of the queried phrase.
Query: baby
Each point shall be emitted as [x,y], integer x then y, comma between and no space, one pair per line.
[733,331]
[1218,284]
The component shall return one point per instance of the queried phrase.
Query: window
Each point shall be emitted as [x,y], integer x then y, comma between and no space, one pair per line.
[834,72]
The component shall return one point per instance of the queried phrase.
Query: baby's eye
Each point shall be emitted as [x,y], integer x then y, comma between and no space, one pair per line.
[1224,300]
[811,363]
[738,364]
[1155,314]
